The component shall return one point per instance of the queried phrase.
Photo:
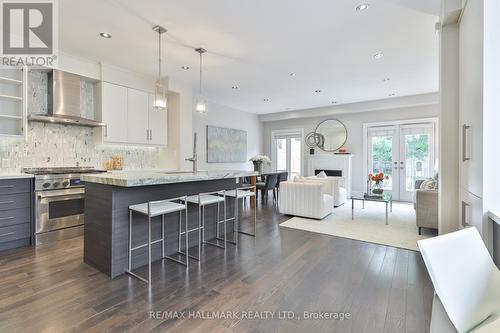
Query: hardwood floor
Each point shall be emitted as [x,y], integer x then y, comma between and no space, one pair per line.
[384,289]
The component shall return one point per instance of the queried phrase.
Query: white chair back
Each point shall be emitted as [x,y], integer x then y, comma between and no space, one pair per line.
[464,277]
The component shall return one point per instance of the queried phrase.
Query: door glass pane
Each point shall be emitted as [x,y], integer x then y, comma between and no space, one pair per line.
[295,162]
[417,159]
[280,154]
[381,157]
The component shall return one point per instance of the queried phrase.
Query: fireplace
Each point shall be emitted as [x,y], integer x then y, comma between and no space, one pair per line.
[333,166]
[330,173]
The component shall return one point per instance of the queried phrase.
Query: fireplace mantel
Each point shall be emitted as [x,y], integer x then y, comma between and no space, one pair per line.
[340,162]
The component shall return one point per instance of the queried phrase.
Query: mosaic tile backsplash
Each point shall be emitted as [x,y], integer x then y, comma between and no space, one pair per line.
[56,145]
[51,145]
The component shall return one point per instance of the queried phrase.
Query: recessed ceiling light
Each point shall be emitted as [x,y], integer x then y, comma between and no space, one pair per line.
[105,35]
[317,91]
[392,94]
[363,6]
[334,102]
[386,79]
[234,87]
[266,99]
[378,55]
[185,68]
[292,74]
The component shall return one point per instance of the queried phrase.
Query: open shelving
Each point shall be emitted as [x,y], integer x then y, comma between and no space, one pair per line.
[13,102]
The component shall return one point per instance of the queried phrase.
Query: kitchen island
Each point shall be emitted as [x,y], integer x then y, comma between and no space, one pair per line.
[109,195]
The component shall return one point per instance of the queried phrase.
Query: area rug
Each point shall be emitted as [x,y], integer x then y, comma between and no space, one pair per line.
[368,224]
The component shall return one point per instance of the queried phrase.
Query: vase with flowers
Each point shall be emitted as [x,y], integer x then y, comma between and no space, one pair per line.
[258,161]
[376,181]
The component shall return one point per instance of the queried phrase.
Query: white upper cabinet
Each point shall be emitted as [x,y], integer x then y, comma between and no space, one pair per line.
[158,125]
[114,113]
[130,117]
[138,130]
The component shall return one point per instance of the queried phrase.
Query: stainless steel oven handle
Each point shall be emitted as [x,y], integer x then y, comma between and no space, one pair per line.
[51,194]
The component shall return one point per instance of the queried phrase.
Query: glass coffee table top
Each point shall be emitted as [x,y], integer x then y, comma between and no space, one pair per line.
[385,197]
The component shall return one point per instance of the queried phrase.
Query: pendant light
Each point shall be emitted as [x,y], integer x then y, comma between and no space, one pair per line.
[201,105]
[160,101]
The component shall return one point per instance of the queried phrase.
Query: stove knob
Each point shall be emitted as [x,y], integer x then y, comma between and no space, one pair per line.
[46,185]
[56,184]
[65,183]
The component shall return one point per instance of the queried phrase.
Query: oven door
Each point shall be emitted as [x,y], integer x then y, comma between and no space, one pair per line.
[59,209]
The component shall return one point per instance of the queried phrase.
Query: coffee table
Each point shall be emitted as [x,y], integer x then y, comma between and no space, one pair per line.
[385,198]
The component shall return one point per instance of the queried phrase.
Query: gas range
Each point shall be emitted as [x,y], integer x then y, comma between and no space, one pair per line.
[59,202]
[59,177]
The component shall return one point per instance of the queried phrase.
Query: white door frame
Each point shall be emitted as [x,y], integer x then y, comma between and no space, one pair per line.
[434,120]
[291,132]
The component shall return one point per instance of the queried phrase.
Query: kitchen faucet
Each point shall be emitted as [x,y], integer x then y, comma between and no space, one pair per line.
[194,159]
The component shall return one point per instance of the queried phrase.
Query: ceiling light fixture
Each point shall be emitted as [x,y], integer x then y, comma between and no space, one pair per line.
[363,6]
[378,55]
[266,99]
[160,101]
[317,91]
[185,68]
[201,105]
[105,35]
[292,74]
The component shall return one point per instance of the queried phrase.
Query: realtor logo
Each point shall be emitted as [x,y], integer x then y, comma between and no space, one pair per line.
[28,30]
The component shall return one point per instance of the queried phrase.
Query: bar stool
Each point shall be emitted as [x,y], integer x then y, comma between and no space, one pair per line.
[152,209]
[203,200]
[237,194]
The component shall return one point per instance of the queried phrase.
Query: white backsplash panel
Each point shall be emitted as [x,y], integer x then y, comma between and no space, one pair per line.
[55,145]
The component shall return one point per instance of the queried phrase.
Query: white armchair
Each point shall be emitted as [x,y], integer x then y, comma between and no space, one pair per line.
[335,187]
[466,283]
[306,199]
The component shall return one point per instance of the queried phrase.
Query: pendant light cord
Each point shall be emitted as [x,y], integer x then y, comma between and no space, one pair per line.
[159,57]
[201,63]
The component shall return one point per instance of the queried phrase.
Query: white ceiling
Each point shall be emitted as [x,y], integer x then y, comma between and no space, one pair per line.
[256,44]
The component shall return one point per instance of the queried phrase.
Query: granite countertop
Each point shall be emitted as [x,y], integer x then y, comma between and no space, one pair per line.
[495,216]
[15,175]
[144,178]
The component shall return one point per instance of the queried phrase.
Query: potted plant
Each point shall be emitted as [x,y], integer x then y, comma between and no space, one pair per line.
[258,161]
[377,179]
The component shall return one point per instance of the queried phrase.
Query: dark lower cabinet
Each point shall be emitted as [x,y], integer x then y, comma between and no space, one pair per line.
[16,213]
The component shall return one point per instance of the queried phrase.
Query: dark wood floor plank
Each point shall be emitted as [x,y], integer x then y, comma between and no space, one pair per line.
[50,289]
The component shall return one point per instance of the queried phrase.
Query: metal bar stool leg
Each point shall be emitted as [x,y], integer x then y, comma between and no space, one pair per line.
[149,249]
[130,240]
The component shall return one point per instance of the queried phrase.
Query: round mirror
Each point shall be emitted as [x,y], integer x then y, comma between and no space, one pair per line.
[332,135]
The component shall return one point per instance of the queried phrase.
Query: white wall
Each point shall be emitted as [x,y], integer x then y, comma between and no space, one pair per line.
[354,123]
[223,116]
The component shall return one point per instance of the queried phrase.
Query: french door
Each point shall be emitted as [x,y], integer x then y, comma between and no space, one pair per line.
[287,152]
[405,153]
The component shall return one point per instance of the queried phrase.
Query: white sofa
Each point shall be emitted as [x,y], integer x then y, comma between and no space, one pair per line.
[306,199]
[334,185]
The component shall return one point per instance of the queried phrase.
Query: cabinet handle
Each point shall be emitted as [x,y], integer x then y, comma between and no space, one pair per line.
[465,130]
[147,134]
[7,234]
[105,131]
[6,218]
[465,205]
[6,202]
[150,134]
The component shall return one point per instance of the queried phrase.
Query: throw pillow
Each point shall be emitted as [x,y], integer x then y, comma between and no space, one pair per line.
[322,174]
[298,178]
[429,184]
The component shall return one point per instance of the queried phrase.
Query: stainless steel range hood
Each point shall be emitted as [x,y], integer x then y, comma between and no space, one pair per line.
[63,101]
